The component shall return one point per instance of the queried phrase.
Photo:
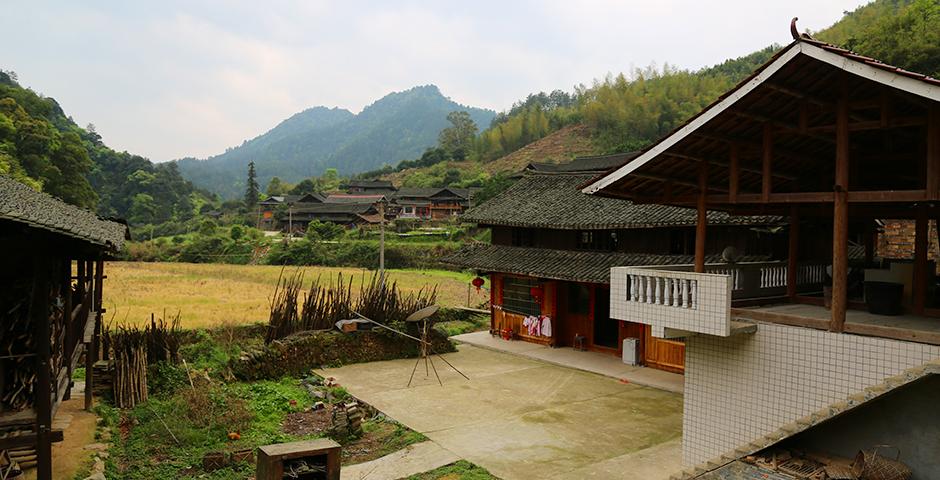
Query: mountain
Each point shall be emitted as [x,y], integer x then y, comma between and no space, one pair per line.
[397,127]
[42,147]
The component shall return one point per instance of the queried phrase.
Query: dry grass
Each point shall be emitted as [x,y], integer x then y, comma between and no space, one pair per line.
[209,295]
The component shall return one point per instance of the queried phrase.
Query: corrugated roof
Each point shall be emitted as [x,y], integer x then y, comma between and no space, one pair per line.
[21,204]
[554,201]
[570,265]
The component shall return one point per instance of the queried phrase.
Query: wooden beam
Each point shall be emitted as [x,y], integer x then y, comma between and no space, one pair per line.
[793,252]
[840,217]
[734,179]
[933,152]
[920,259]
[27,439]
[40,318]
[884,196]
[721,163]
[767,157]
[702,222]
[781,318]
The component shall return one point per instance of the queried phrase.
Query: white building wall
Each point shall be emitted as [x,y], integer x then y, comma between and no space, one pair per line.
[741,388]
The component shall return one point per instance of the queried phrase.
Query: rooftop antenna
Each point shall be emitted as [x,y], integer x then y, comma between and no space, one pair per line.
[427,350]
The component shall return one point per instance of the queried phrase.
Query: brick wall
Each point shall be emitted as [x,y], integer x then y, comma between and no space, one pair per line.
[897,240]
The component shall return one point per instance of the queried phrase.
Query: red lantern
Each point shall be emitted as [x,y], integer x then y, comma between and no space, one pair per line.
[536,292]
[477,282]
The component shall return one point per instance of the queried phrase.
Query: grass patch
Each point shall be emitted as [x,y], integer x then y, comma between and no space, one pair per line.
[209,417]
[213,295]
[78,373]
[475,323]
[459,470]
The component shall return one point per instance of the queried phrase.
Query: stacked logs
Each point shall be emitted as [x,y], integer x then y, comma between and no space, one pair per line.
[163,339]
[18,370]
[129,348]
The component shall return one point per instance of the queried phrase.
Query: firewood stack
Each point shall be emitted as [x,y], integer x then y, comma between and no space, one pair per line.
[129,347]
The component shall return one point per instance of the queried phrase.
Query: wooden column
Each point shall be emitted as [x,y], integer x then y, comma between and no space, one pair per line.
[39,316]
[767,163]
[793,252]
[734,171]
[921,229]
[702,222]
[840,219]
[871,243]
[933,152]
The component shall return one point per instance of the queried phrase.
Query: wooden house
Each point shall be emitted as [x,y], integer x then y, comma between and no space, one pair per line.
[552,248]
[269,207]
[430,203]
[50,310]
[369,187]
[836,142]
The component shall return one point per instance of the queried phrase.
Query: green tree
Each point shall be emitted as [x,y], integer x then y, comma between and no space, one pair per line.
[277,187]
[142,209]
[305,186]
[458,138]
[252,190]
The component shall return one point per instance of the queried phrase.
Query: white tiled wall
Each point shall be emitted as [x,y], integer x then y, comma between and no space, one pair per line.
[740,388]
[711,314]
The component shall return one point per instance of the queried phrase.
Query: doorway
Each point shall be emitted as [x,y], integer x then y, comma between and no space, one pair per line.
[606,329]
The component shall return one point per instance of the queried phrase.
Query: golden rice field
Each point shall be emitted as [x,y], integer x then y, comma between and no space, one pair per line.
[208,295]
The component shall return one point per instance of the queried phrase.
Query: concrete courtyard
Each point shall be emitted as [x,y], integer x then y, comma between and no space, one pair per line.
[522,418]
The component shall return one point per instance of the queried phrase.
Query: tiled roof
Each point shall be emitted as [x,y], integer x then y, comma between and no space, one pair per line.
[429,192]
[353,198]
[351,208]
[873,62]
[570,265]
[554,201]
[370,184]
[21,204]
[596,164]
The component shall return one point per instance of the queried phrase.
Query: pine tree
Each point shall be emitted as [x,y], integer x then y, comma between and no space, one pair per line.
[252,190]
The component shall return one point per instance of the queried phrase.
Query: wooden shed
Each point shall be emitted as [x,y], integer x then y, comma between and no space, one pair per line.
[50,310]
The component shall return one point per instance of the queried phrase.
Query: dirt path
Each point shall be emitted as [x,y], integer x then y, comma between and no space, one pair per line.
[70,456]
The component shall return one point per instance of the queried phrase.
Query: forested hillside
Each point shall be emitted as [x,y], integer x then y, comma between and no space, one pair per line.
[629,111]
[397,127]
[44,148]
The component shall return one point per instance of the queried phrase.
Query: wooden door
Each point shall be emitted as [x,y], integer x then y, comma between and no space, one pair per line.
[662,354]
[574,313]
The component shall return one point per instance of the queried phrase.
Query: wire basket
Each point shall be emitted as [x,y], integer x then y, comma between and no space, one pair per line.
[871,465]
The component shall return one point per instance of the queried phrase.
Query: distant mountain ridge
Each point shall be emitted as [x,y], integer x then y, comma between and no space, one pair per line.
[397,127]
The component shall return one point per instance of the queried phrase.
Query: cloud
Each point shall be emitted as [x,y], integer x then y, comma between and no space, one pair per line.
[191,78]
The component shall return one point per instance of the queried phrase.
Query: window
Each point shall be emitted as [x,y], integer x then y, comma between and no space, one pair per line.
[579,299]
[523,237]
[517,296]
[410,210]
[681,242]
[598,240]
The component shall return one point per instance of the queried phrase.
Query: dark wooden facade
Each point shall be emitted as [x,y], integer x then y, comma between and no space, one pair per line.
[50,311]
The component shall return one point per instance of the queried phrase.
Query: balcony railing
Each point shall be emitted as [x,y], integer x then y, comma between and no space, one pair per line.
[674,297]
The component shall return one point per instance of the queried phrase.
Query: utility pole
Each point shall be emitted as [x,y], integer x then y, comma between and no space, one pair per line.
[382,243]
[290,222]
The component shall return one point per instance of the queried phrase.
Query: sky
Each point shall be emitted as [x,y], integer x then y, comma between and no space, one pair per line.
[179,78]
